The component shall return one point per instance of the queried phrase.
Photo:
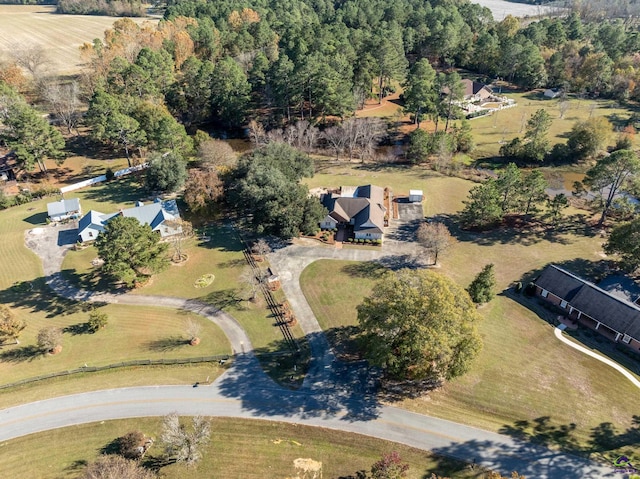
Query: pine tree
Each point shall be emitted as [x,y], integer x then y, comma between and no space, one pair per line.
[482,288]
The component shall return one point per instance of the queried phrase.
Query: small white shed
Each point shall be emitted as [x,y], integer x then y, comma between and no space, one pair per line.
[415,196]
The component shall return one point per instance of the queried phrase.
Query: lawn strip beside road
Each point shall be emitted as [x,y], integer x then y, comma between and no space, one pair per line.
[241,448]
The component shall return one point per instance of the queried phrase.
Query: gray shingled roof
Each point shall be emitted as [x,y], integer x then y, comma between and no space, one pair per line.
[365,206]
[615,313]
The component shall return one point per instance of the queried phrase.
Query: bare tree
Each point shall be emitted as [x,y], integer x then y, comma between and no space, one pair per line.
[178,240]
[182,444]
[563,106]
[249,278]
[257,134]
[261,247]
[63,99]
[336,139]
[371,131]
[434,238]
[192,328]
[49,338]
[133,445]
[116,467]
[216,154]
[32,58]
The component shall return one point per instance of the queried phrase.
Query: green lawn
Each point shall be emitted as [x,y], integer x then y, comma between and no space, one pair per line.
[523,372]
[238,449]
[503,126]
[132,333]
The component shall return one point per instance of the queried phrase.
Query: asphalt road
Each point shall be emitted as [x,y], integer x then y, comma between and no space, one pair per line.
[236,394]
[335,395]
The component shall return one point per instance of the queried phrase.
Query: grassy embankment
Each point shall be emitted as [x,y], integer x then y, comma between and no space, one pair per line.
[523,373]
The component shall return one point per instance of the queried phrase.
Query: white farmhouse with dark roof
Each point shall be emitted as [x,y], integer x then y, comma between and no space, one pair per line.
[160,215]
[64,209]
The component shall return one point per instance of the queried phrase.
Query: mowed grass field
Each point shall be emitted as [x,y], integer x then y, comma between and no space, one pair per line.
[523,373]
[238,449]
[60,36]
[489,133]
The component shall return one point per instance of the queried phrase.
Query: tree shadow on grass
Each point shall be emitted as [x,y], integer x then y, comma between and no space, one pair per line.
[155,463]
[233,263]
[170,343]
[77,465]
[225,299]
[22,354]
[364,269]
[78,329]
[36,296]
[516,229]
[606,441]
[112,447]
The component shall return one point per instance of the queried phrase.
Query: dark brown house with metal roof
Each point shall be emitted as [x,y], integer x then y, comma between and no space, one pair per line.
[591,306]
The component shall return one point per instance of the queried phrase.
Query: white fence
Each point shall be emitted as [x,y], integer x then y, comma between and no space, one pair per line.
[101,178]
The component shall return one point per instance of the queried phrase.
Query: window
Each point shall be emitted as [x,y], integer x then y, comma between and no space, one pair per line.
[544,293]
[563,304]
[626,339]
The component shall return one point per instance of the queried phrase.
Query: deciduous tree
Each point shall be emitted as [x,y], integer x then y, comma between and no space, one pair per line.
[419,325]
[49,338]
[183,444]
[203,188]
[130,251]
[216,154]
[10,325]
[116,467]
[390,466]
[588,138]
[482,288]
[434,238]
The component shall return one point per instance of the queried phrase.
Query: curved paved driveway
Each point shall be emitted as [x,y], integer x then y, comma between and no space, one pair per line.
[333,396]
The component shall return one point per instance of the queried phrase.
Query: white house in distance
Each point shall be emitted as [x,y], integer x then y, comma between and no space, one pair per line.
[158,215]
[64,209]
[358,207]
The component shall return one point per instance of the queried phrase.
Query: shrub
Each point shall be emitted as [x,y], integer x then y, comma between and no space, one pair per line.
[97,321]
[350,240]
[109,174]
[530,289]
